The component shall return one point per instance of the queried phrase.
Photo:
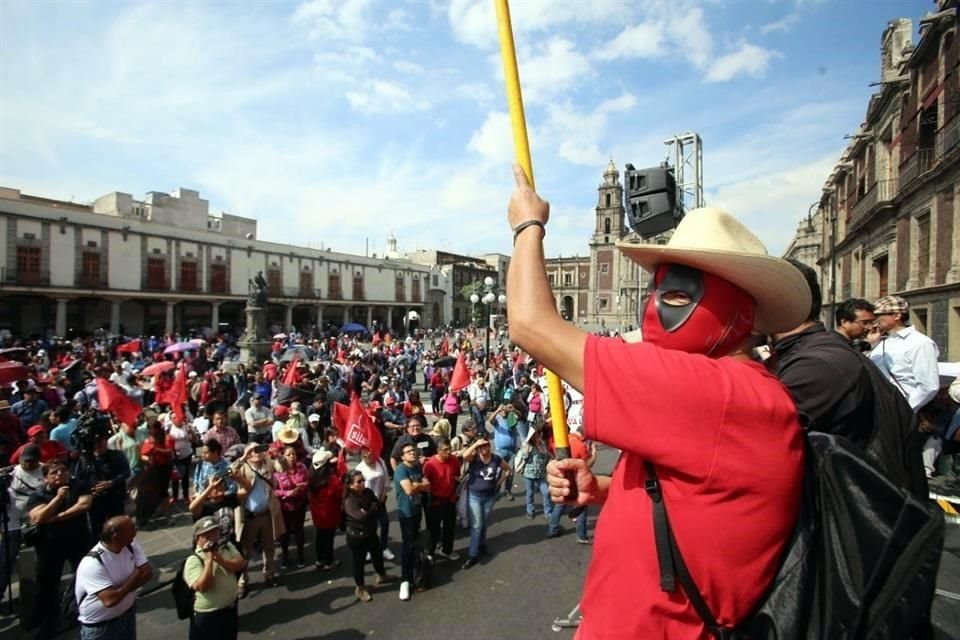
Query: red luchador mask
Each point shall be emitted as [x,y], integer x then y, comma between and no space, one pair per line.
[694,311]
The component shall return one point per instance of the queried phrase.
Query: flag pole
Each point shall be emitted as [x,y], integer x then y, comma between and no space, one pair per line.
[521,147]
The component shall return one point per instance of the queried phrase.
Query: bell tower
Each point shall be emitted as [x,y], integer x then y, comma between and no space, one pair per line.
[609,212]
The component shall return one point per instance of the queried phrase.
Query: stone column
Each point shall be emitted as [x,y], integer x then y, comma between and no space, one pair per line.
[288,318]
[346,315]
[319,318]
[389,322]
[215,316]
[60,325]
[115,316]
[369,318]
[168,323]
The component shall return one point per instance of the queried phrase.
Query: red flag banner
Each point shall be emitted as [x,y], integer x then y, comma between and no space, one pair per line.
[291,377]
[359,431]
[113,399]
[445,346]
[130,347]
[341,414]
[461,377]
[177,396]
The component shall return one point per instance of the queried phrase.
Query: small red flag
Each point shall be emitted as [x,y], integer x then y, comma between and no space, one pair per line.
[177,396]
[358,429]
[341,413]
[130,347]
[461,377]
[113,399]
[445,346]
[291,377]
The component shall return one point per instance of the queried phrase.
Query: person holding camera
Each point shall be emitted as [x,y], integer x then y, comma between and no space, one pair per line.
[59,510]
[213,464]
[107,581]
[211,571]
[260,517]
[504,423]
[106,471]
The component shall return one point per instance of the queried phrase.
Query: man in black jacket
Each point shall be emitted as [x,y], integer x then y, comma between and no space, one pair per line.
[105,471]
[839,391]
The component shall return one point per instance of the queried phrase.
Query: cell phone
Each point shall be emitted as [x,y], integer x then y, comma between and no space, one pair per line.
[261,448]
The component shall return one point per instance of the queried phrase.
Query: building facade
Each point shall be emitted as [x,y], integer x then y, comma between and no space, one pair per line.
[806,245]
[167,264]
[461,271]
[889,216]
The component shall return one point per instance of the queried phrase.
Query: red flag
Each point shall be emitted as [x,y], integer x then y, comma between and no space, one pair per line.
[445,346]
[341,413]
[177,396]
[461,377]
[359,431]
[113,399]
[290,376]
[129,347]
[342,462]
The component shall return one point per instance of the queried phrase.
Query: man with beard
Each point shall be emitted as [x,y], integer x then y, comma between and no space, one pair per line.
[729,466]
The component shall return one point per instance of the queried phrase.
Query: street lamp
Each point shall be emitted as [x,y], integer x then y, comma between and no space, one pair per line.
[490,296]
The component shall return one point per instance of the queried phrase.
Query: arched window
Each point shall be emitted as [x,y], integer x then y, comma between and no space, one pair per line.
[607,198]
[606,225]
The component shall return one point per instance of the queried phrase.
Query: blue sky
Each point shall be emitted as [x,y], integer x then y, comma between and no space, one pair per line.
[334,122]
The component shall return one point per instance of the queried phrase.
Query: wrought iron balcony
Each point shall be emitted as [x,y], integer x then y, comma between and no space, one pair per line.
[28,278]
[92,280]
[881,193]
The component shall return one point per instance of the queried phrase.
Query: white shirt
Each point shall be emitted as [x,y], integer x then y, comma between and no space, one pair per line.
[478,394]
[255,414]
[183,445]
[201,425]
[375,477]
[22,485]
[109,572]
[909,360]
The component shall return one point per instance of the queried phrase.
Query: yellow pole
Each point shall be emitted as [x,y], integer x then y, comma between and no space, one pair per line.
[522,149]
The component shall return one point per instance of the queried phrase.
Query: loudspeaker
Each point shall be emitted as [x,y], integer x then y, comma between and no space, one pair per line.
[651,196]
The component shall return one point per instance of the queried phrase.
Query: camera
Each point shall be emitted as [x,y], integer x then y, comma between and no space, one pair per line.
[91,426]
[261,448]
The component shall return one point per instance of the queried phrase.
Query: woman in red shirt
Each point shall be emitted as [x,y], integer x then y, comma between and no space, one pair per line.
[326,497]
[157,455]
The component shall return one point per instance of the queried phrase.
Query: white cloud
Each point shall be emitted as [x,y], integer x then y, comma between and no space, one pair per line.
[494,139]
[623,102]
[325,20]
[398,20]
[380,96]
[405,66]
[644,40]
[553,70]
[749,59]
[783,25]
[474,91]
[688,31]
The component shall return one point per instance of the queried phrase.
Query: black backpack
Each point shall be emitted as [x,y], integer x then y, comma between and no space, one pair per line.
[854,568]
[183,595]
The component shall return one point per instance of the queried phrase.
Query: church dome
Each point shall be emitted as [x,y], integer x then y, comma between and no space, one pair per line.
[611,169]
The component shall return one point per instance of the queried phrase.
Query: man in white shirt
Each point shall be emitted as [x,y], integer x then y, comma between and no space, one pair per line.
[107,581]
[905,356]
[479,398]
[201,423]
[259,421]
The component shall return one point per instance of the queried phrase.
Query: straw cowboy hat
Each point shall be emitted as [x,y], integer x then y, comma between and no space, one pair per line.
[287,435]
[714,241]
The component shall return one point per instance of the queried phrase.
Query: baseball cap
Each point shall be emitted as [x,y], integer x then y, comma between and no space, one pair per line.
[30,453]
[890,304]
[314,417]
[35,429]
[204,525]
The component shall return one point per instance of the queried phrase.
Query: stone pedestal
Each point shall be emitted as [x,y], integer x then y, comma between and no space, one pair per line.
[255,345]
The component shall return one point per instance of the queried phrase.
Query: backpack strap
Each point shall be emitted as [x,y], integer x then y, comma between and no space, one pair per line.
[672,566]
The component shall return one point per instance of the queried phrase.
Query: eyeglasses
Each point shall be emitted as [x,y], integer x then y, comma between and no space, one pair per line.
[406,451]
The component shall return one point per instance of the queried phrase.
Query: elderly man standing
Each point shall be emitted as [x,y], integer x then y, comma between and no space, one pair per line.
[107,581]
[905,356]
[260,518]
[729,466]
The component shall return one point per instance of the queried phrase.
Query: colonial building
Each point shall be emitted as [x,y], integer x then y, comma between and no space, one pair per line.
[602,290]
[890,218]
[167,263]
[462,271]
[806,244]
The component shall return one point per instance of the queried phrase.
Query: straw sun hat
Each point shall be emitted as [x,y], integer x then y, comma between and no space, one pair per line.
[714,241]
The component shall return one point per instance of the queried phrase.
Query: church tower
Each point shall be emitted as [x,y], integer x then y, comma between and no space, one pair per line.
[609,212]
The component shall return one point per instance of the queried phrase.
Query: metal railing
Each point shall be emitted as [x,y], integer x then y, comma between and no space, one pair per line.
[28,278]
[92,281]
[881,192]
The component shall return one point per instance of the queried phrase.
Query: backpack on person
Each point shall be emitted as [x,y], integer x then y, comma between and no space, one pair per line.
[183,595]
[853,568]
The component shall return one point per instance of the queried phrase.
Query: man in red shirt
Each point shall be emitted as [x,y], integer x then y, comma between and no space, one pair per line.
[49,449]
[721,432]
[442,471]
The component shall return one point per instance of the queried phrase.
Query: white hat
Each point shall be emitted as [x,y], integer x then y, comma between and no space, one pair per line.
[314,417]
[713,241]
[321,457]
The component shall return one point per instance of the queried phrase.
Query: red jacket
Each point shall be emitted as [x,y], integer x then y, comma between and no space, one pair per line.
[325,503]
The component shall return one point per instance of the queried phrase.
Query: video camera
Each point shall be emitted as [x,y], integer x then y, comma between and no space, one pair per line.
[91,426]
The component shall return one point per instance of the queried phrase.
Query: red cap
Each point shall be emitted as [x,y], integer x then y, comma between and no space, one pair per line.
[373,406]
[281,411]
[35,429]
[389,400]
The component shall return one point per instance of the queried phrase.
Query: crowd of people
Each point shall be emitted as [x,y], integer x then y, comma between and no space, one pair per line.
[104,437]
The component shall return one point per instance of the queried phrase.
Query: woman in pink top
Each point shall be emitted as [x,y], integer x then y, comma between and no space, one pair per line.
[291,489]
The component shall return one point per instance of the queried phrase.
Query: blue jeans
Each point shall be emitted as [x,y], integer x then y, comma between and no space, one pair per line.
[532,486]
[478,513]
[558,511]
[508,457]
[123,627]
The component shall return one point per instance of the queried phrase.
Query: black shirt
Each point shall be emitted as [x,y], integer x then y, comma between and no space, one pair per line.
[69,531]
[111,465]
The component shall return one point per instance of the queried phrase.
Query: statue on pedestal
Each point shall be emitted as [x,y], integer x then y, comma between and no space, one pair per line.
[257,293]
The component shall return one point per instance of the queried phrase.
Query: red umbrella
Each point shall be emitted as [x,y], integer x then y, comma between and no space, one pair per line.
[12,371]
[158,367]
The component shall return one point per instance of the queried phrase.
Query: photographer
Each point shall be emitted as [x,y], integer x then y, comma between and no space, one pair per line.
[104,470]
[211,571]
[504,423]
[214,502]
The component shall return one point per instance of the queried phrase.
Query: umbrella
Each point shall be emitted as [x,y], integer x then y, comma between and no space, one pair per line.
[198,341]
[180,346]
[12,352]
[443,363]
[280,336]
[305,354]
[12,371]
[158,367]
[353,327]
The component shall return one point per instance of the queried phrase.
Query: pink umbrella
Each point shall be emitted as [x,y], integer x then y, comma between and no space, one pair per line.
[180,347]
[157,368]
